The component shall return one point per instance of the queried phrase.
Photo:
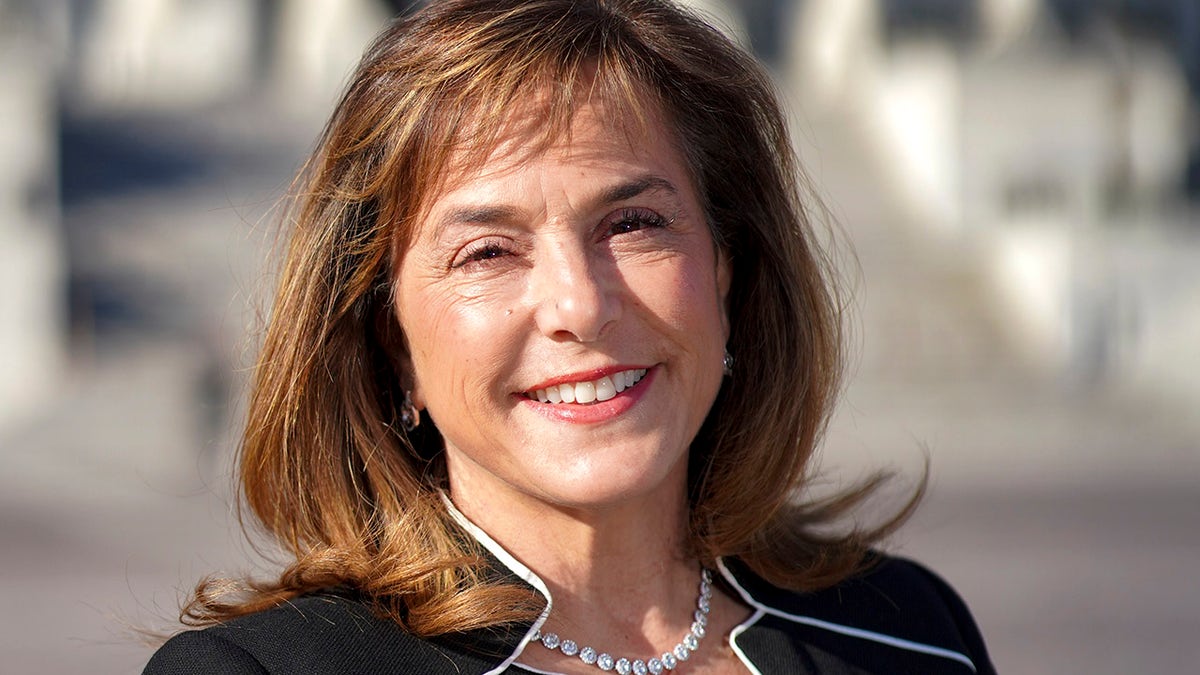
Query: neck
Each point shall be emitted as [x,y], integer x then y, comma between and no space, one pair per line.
[613,571]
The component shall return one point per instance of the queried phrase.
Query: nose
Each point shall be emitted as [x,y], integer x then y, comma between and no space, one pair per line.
[576,295]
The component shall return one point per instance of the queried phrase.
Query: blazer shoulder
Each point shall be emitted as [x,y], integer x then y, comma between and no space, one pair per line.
[948,612]
[321,633]
[895,599]
[195,652]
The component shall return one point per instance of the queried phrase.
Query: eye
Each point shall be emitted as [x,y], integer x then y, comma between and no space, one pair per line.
[629,220]
[481,252]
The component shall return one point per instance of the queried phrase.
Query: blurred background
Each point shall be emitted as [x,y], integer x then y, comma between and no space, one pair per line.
[1019,181]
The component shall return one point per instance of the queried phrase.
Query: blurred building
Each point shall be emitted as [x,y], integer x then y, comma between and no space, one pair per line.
[32,267]
[1054,142]
[1060,137]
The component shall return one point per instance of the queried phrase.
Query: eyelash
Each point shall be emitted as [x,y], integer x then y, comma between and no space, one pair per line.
[640,218]
[482,251]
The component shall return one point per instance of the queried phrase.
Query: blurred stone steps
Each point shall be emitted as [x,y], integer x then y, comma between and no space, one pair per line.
[938,370]
[924,308]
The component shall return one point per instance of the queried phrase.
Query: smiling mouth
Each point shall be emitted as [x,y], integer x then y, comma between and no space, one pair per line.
[592,391]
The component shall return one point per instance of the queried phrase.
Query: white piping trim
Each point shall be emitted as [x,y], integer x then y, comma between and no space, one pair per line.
[738,630]
[838,628]
[515,566]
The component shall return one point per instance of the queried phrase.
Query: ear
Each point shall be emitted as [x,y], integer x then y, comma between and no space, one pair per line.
[724,281]
[408,379]
[414,387]
[403,365]
[395,345]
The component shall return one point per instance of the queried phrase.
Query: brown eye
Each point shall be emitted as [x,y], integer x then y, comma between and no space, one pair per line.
[481,253]
[633,220]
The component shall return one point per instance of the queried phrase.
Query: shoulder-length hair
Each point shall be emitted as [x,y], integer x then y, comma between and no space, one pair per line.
[326,466]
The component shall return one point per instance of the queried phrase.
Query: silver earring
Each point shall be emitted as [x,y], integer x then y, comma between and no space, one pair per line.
[409,416]
[727,362]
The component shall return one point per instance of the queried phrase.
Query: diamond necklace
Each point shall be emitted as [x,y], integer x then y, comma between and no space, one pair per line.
[623,666]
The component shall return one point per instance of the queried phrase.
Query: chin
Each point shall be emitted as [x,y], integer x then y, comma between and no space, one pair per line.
[605,485]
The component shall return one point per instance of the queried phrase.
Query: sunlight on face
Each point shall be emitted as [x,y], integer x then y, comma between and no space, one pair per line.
[564,311]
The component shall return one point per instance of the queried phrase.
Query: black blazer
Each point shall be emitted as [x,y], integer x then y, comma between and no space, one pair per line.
[898,618]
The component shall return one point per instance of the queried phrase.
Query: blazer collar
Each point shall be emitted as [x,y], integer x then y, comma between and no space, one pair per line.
[508,643]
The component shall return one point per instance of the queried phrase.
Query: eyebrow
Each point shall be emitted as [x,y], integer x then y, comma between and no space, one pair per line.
[479,214]
[500,213]
[633,188]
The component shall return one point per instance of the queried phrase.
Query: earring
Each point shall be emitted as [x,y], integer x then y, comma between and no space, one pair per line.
[410,417]
[727,362]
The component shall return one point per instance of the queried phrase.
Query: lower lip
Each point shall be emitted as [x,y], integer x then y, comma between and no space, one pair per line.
[592,413]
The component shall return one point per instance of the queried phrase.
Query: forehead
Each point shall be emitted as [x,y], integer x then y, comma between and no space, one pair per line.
[599,137]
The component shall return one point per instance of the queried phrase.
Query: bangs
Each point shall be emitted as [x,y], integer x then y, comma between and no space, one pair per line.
[523,101]
[536,109]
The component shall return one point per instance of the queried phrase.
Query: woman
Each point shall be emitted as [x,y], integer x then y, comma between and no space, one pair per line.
[551,352]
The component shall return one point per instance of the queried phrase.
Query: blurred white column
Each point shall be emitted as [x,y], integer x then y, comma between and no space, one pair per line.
[1031,268]
[1004,22]
[906,100]
[833,50]
[166,53]
[1158,118]
[915,118]
[31,259]
[319,43]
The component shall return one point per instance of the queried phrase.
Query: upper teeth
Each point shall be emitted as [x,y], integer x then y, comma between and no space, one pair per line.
[590,392]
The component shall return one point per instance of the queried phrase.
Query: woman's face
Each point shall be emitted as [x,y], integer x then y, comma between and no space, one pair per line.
[583,273]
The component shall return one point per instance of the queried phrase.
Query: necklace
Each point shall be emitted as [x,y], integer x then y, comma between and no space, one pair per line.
[623,666]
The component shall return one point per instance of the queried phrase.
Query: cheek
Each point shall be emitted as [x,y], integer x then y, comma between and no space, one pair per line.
[683,294]
[457,346]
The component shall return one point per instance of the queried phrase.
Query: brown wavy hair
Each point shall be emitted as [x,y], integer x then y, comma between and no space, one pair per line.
[326,467]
